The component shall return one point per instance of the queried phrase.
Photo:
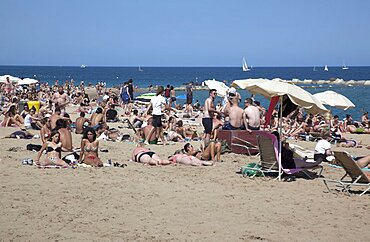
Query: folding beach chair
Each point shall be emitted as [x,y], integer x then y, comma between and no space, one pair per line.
[246,145]
[269,159]
[358,177]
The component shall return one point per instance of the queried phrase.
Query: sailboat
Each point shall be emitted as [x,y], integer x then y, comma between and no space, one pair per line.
[83,66]
[326,68]
[314,68]
[245,66]
[140,69]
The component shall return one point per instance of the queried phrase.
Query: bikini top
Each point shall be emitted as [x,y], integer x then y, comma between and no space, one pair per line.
[50,149]
[91,149]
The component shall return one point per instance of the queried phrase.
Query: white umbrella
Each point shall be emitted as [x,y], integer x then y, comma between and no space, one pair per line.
[297,95]
[244,83]
[334,99]
[27,81]
[221,87]
[11,78]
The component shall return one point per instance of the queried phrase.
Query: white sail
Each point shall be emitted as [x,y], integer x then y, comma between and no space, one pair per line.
[140,69]
[326,68]
[245,66]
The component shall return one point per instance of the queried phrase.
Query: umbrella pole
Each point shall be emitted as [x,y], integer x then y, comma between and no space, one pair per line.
[280,133]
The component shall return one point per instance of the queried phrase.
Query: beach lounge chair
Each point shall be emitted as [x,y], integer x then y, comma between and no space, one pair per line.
[268,148]
[357,176]
[248,146]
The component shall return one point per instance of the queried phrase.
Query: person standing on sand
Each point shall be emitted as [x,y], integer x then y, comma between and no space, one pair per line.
[251,116]
[189,93]
[208,114]
[157,104]
[60,99]
[131,93]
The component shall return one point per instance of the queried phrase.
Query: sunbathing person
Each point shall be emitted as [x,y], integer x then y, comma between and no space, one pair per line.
[11,117]
[211,152]
[65,134]
[53,149]
[364,162]
[89,149]
[80,123]
[45,129]
[143,155]
[188,157]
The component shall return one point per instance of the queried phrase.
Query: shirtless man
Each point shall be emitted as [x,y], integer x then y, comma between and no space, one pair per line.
[209,111]
[97,119]
[235,113]
[61,99]
[146,131]
[251,116]
[80,122]
[55,117]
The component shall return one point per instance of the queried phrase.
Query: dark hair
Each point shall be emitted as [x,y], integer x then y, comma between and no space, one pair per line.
[180,123]
[336,116]
[186,147]
[135,111]
[57,109]
[249,100]
[159,90]
[53,133]
[130,81]
[82,114]
[99,110]
[212,90]
[87,130]
[60,123]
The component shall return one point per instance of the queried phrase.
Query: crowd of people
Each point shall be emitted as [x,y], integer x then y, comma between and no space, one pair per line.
[160,121]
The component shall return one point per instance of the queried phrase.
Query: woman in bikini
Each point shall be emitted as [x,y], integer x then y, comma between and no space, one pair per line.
[143,155]
[11,117]
[53,152]
[45,129]
[89,149]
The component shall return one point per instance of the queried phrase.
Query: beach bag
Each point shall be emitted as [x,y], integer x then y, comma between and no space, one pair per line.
[247,171]
[71,158]
[33,147]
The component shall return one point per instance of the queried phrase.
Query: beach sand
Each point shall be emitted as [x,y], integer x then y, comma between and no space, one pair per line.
[178,203]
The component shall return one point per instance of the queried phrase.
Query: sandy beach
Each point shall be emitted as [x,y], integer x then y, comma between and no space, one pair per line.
[175,202]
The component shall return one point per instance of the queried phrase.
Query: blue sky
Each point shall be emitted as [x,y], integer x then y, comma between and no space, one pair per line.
[185,33]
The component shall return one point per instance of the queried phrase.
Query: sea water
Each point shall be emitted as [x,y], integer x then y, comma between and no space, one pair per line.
[178,76]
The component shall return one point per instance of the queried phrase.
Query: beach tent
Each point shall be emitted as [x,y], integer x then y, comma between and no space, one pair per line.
[221,87]
[146,97]
[11,78]
[275,90]
[182,96]
[334,99]
[27,81]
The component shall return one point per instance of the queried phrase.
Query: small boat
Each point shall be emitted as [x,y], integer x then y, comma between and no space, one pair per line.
[83,66]
[245,66]
[326,68]
[314,68]
[344,67]
[140,69]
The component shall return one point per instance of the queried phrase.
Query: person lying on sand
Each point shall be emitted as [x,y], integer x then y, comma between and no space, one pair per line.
[89,149]
[212,152]
[143,155]
[53,149]
[188,158]
[364,162]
